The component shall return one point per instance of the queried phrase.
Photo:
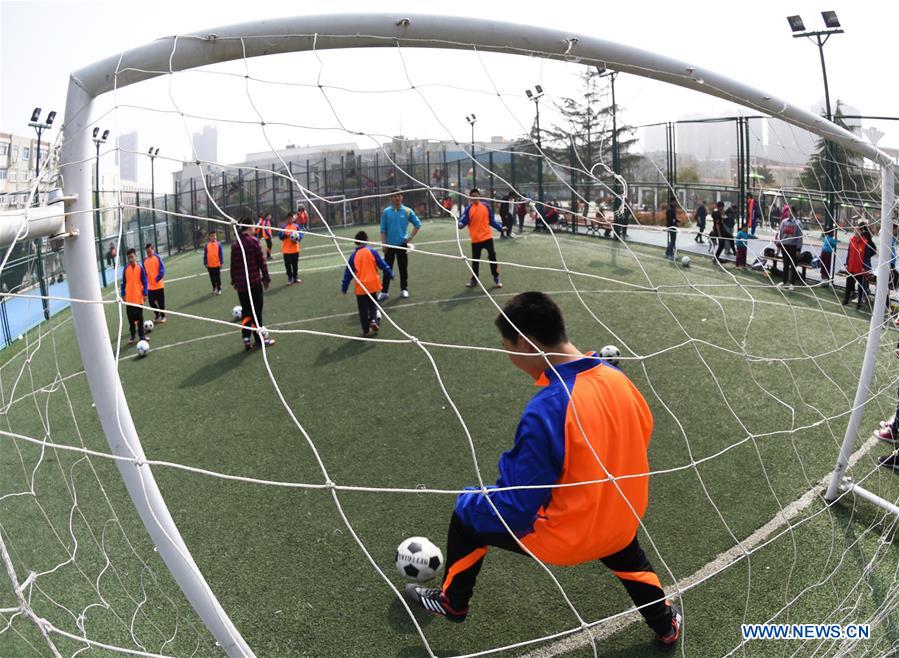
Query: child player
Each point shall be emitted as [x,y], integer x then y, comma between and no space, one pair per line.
[212,259]
[290,248]
[134,291]
[561,525]
[479,218]
[742,246]
[155,269]
[364,263]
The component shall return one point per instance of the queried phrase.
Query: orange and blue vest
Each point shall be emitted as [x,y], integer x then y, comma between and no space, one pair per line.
[555,443]
[134,284]
[265,228]
[288,246]
[364,262]
[212,255]
[479,218]
[155,270]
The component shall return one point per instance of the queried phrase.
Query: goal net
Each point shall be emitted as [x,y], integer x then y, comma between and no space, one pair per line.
[267,489]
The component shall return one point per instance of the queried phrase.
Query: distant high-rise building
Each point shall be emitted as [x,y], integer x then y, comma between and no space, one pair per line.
[206,144]
[127,156]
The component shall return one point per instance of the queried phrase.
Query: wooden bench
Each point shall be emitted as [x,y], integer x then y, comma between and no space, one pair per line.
[777,258]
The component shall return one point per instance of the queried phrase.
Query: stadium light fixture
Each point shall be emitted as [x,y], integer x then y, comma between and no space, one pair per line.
[534,95]
[472,119]
[830,19]
[796,24]
[35,115]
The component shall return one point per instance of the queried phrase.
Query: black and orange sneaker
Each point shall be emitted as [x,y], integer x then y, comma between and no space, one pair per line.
[670,638]
[433,601]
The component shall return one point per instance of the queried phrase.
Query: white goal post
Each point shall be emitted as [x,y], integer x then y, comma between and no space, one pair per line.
[295,34]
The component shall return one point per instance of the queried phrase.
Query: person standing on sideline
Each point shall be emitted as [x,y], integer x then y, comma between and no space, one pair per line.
[718,232]
[827,256]
[560,525]
[303,218]
[730,222]
[774,217]
[397,241]
[789,239]
[134,293]
[521,209]
[479,218]
[506,213]
[858,264]
[264,233]
[671,227]
[742,245]
[213,259]
[365,263]
[249,276]
[291,234]
[155,269]
[700,215]
[753,213]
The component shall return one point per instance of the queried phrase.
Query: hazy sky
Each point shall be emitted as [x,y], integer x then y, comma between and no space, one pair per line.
[42,42]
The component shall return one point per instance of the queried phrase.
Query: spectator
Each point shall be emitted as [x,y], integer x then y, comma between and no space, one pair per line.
[742,246]
[826,258]
[858,264]
[718,233]
[753,213]
[775,216]
[789,239]
[730,221]
[699,216]
[671,227]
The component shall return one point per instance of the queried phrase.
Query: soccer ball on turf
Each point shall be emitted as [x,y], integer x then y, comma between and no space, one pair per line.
[295,236]
[610,354]
[143,348]
[417,558]
[237,312]
[263,333]
[685,261]
[148,326]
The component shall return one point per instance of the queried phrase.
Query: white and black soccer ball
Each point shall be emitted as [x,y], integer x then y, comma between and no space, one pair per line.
[610,354]
[148,326]
[237,312]
[263,333]
[418,559]
[143,348]
[685,261]
[295,236]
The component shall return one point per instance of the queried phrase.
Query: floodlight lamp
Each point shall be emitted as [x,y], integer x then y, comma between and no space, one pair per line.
[36,115]
[830,19]
[96,131]
[796,24]
[601,69]
[530,94]
[156,153]
[539,89]
[474,117]
[105,135]
[51,117]
[150,152]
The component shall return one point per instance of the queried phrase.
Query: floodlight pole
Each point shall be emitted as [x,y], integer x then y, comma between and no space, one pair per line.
[616,156]
[153,155]
[40,126]
[472,119]
[536,98]
[99,228]
[819,38]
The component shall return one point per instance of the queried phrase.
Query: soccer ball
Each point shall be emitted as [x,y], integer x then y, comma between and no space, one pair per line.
[143,348]
[295,236]
[685,261]
[237,312]
[148,326]
[417,558]
[263,333]
[610,354]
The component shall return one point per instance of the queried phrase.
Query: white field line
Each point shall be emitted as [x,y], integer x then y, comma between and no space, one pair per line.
[719,563]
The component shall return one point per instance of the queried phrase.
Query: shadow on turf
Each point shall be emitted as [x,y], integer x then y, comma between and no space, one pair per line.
[212,371]
[465,296]
[346,350]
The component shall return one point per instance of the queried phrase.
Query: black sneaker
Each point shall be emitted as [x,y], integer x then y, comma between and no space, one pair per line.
[889,461]
[672,636]
[433,601]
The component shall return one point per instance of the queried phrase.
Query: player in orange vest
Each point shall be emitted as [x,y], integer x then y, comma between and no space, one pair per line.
[588,423]
[213,257]
[291,234]
[264,232]
[302,217]
[364,263]
[134,291]
[479,218]
[155,269]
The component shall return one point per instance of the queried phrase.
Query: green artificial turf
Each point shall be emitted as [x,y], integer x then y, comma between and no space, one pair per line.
[750,389]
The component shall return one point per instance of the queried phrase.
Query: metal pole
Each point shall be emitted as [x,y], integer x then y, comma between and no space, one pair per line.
[616,156]
[539,158]
[874,331]
[99,238]
[474,160]
[45,303]
[101,372]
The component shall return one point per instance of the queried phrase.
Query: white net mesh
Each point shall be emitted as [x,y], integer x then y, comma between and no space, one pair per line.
[293,474]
